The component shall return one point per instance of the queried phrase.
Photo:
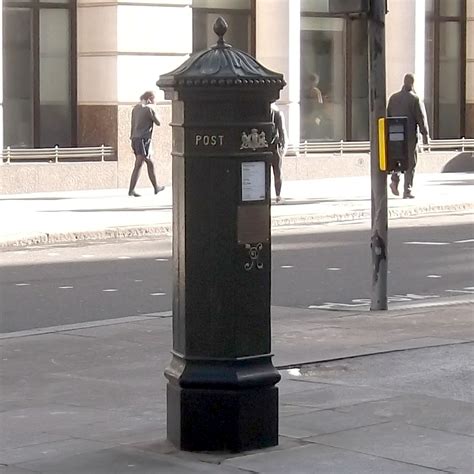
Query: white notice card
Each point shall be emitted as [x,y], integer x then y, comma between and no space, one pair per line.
[253,181]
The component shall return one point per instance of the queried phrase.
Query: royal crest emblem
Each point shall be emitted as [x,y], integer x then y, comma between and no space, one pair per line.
[254,140]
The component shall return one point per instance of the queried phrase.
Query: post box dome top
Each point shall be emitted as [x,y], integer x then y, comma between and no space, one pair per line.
[221,65]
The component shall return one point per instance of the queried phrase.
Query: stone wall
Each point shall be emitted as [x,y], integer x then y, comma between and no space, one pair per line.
[44,177]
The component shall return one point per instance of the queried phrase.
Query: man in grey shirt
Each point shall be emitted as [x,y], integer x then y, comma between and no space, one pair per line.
[143,119]
[407,104]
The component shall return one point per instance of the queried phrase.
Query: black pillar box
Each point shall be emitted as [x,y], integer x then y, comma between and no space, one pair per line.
[221,391]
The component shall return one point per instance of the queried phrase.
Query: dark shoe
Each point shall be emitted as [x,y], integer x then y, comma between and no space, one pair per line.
[158,189]
[134,194]
[394,188]
[408,196]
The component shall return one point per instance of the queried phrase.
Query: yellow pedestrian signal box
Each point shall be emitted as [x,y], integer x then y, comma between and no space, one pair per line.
[393,144]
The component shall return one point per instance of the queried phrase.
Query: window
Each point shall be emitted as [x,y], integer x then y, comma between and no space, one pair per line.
[18,71]
[239,15]
[445,67]
[39,73]
[334,75]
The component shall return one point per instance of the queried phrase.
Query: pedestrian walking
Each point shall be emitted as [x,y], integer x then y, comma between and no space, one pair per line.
[278,146]
[143,119]
[406,103]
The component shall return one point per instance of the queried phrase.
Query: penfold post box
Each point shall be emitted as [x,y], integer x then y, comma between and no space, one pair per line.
[393,144]
[221,391]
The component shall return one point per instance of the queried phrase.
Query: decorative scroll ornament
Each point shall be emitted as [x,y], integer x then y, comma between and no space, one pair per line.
[254,140]
[254,254]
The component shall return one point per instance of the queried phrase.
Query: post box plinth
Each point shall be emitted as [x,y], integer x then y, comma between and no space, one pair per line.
[222,406]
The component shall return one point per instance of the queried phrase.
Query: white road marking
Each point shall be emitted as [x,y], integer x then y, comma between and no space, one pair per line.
[110,290]
[360,302]
[467,241]
[420,297]
[161,259]
[433,276]
[426,243]
[138,281]
[65,287]
[331,305]
[333,269]
[124,257]
[22,284]
[157,294]
[287,266]
[469,292]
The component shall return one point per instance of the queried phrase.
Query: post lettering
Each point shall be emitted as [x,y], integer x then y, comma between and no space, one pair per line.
[209,140]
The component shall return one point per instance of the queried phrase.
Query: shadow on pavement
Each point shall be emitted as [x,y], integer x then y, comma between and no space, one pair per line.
[121,209]
[35,198]
[460,182]
[294,202]
[462,163]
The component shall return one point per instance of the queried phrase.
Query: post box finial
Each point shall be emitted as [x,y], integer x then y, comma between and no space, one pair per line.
[220,29]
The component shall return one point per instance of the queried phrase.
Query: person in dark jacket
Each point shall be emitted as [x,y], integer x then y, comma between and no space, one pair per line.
[143,119]
[407,104]
[278,147]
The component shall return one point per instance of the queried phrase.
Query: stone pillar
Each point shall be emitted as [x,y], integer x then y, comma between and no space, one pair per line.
[1,78]
[470,70]
[278,48]
[404,22]
[122,48]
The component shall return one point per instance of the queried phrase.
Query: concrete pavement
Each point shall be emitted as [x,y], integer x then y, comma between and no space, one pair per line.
[85,215]
[90,398]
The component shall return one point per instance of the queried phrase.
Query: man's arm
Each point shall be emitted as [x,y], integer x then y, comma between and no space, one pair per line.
[421,120]
[280,123]
[154,116]
[390,107]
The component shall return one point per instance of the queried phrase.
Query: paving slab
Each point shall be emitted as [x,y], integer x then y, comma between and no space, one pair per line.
[50,450]
[325,395]
[312,459]
[325,421]
[123,460]
[405,371]
[408,443]
[14,470]
[443,414]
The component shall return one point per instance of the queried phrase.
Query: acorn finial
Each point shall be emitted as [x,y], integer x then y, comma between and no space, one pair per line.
[220,29]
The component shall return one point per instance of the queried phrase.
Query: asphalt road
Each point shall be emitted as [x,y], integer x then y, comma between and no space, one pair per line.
[322,266]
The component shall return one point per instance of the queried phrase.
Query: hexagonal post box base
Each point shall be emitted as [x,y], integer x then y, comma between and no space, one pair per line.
[222,420]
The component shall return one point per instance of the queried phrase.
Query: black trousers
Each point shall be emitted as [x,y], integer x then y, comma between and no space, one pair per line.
[409,173]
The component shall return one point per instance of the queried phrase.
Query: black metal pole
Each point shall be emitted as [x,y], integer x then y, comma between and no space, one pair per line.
[377,104]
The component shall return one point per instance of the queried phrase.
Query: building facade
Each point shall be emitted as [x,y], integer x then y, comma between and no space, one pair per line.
[73,68]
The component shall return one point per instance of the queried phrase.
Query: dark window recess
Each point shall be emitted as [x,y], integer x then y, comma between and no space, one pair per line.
[240,16]
[334,78]
[39,73]
[445,66]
